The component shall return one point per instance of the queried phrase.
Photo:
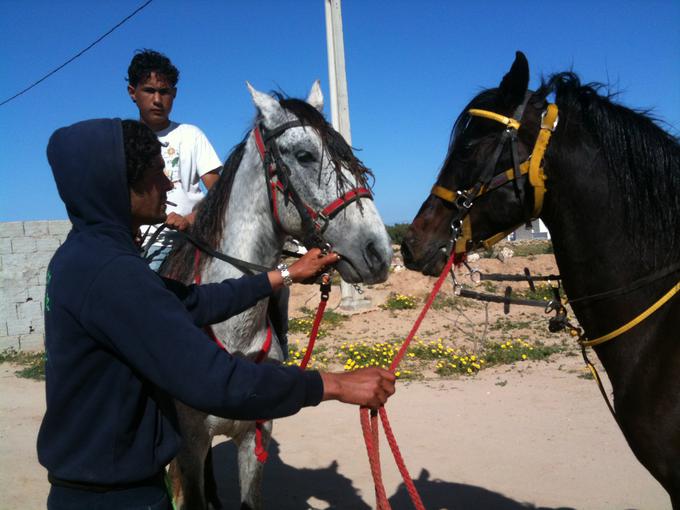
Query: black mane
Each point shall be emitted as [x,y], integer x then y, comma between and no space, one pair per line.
[211,211]
[209,223]
[643,160]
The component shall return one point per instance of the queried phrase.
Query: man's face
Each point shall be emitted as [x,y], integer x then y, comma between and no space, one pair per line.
[154,98]
[147,199]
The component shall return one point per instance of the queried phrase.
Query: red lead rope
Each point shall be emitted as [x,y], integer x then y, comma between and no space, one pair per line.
[370,424]
[260,451]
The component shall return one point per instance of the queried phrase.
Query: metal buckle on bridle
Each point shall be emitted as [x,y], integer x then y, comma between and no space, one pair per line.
[551,128]
[456,228]
[463,200]
[474,274]
[325,248]
[321,222]
[559,321]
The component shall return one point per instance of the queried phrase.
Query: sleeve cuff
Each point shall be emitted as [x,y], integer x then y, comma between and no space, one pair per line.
[314,387]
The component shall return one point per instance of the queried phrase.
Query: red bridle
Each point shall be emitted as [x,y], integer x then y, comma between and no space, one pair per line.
[319,219]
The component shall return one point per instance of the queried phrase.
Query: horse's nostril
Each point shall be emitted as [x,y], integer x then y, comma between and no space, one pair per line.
[374,259]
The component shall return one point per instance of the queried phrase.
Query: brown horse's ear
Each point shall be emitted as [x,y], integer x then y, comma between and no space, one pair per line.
[515,83]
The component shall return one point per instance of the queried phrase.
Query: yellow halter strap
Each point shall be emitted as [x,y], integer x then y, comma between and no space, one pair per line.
[637,320]
[506,121]
[534,166]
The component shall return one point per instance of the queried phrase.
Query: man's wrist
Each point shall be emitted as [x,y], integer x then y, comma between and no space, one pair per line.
[285,274]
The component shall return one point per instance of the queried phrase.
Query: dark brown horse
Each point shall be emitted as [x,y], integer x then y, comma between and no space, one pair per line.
[608,188]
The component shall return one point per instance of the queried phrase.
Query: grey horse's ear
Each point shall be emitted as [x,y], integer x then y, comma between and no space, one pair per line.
[268,106]
[315,97]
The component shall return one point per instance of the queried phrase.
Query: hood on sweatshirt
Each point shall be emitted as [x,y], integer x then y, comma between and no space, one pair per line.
[88,163]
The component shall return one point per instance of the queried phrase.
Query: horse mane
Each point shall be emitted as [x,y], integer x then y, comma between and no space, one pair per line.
[211,211]
[339,150]
[643,161]
[209,223]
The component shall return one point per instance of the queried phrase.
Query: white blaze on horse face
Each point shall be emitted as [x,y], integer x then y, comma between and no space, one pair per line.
[315,97]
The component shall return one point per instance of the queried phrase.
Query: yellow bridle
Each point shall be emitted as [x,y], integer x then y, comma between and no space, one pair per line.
[534,166]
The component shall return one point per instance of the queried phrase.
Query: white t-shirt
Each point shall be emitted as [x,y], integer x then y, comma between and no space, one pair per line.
[188,156]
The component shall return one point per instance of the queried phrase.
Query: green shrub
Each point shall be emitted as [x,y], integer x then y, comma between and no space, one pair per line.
[33,362]
[529,248]
[399,302]
[397,232]
[519,350]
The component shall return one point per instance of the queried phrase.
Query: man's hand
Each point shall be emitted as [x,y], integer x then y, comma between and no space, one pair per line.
[369,387]
[309,266]
[177,221]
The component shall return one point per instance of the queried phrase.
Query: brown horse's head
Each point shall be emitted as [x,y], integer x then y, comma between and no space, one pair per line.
[471,184]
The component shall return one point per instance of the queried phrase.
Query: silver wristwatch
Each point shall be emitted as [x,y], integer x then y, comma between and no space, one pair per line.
[285,274]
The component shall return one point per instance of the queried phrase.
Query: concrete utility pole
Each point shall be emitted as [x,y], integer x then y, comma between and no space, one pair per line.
[351,299]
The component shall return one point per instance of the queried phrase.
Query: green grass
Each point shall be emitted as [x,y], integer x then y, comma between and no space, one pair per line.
[33,363]
[444,301]
[489,286]
[543,292]
[529,248]
[399,302]
[519,350]
[504,324]
[331,319]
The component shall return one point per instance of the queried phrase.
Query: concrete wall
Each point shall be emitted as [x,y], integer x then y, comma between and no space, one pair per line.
[26,248]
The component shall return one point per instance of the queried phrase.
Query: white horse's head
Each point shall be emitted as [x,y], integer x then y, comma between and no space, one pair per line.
[321,168]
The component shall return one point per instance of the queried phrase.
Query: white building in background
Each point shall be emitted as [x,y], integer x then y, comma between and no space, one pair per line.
[537,231]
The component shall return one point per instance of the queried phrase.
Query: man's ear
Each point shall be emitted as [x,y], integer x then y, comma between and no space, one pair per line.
[131,93]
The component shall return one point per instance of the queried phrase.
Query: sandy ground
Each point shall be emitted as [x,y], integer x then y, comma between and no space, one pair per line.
[544,439]
[528,435]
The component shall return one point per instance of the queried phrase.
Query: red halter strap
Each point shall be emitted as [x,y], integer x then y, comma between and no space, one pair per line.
[322,217]
[260,451]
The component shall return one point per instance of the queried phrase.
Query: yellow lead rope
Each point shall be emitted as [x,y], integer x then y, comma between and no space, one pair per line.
[637,320]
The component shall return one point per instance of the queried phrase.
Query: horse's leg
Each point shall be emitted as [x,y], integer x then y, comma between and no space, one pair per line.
[190,462]
[249,468]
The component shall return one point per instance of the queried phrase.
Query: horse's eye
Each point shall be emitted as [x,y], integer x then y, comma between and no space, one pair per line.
[305,157]
[465,148]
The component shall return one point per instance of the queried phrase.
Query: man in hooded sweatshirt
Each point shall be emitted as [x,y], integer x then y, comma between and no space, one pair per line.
[122,342]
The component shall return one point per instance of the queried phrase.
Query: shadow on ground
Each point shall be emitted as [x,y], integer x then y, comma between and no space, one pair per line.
[290,488]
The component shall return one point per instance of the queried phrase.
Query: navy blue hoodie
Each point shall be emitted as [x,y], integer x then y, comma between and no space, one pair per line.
[121,341]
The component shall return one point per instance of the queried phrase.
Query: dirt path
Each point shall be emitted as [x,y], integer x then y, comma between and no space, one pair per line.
[528,436]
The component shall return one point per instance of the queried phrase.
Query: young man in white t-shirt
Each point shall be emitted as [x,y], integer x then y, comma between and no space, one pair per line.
[189,157]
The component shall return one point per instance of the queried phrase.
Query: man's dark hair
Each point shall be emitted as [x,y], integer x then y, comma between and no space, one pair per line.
[146,62]
[141,146]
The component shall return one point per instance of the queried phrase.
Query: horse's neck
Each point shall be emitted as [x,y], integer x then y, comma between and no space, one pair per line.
[249,234]
[586,222]
[249,229]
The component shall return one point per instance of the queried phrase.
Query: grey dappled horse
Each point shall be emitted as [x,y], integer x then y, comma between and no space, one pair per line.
[237,218]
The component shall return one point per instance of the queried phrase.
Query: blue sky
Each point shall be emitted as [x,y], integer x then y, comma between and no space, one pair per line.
[411,67]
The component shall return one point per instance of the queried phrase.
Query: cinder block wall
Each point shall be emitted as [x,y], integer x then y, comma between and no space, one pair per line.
[26,248]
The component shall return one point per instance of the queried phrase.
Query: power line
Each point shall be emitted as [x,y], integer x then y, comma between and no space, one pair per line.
[75,56]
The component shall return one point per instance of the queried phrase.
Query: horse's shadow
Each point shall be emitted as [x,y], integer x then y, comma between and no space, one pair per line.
[290,488]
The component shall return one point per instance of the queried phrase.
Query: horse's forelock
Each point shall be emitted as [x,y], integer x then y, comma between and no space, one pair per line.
[340,152]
